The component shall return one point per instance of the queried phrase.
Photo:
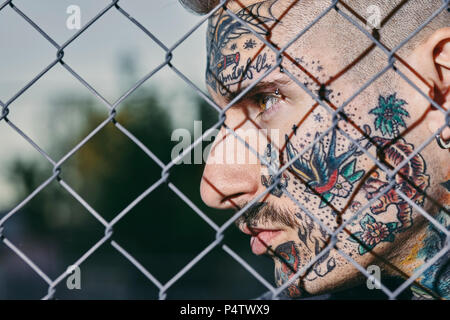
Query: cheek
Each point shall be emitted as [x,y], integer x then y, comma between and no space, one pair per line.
[298,191]
[290,113]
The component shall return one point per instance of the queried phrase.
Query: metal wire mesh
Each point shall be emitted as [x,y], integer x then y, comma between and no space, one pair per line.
[336,114]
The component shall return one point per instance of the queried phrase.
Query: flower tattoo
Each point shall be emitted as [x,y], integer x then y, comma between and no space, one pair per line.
[342,188]
[373,233]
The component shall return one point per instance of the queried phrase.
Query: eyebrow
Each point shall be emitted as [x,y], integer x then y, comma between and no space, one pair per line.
[262,86]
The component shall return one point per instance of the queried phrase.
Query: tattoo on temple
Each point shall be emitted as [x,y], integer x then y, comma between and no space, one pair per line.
[221,30]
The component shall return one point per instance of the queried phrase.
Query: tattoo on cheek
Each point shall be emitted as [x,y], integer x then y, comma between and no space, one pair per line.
[326,174]
[271,157]
[411,179]
[330,175]
[313,237]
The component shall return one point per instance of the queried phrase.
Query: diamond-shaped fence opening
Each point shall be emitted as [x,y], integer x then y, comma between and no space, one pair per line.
[324,105]
[28,51]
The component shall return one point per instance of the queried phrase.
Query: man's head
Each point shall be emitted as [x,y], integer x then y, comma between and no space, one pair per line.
[328,179]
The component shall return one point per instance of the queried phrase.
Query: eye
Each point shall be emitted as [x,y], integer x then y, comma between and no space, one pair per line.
[268,101]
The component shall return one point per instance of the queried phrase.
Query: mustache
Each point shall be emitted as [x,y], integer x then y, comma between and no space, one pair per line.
[266,213]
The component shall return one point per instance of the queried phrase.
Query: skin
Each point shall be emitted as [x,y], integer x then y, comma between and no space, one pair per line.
[333,179]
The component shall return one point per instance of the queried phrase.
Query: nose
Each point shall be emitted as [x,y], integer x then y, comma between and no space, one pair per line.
[231,176]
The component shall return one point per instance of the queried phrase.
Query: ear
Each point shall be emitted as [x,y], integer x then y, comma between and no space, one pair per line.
[435,65]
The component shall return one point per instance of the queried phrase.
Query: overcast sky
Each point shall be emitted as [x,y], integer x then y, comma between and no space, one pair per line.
[94,55]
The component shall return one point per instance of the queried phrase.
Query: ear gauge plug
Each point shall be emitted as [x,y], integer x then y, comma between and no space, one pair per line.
[434,123]
[439,137]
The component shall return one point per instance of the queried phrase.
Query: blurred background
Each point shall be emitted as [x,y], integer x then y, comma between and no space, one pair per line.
[109,171]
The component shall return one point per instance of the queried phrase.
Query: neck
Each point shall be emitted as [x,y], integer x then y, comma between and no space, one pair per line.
[436,278]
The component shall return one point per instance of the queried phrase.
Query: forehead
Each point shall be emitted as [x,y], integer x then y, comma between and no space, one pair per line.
[237,55]
[225,25]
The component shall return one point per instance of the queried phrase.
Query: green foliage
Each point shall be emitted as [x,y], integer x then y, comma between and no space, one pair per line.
[109,172]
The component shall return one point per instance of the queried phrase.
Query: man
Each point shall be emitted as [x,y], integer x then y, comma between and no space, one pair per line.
[328,179]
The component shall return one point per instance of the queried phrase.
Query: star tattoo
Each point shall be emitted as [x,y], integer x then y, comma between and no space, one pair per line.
[318,117]
[324,93]
[249,44]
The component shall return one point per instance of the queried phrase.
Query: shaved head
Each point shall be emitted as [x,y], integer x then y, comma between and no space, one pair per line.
[396,21]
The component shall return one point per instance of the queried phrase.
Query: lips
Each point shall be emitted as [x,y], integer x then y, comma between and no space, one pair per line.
[261,238]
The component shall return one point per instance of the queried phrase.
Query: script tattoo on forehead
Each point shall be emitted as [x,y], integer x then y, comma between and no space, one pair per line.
[222,29]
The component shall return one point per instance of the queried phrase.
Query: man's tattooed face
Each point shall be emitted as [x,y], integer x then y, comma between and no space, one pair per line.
[333,198]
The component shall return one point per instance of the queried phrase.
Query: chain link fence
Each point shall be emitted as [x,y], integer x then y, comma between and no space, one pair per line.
[7,107]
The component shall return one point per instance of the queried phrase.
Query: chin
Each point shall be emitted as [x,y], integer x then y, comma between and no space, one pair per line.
[313,283]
